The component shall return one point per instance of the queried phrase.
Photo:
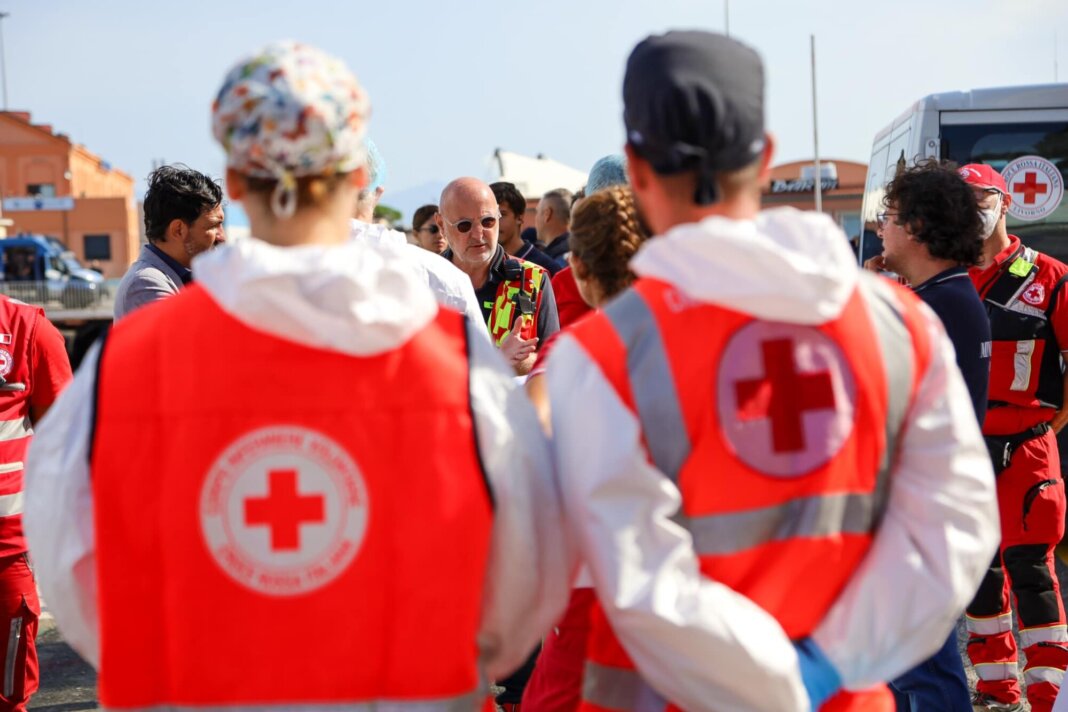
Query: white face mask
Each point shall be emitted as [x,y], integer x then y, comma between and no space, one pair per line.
[989,218]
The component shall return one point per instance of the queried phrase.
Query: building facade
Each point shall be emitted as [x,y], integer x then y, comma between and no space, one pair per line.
[55,187]
[794,184]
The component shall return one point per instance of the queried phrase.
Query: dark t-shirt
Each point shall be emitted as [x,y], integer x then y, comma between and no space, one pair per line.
[530,253]
[953,298]
[559,246]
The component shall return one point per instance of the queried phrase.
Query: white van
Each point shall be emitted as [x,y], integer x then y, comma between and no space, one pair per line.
[1020,131]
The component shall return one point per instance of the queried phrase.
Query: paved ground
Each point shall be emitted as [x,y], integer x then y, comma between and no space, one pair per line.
[68,684]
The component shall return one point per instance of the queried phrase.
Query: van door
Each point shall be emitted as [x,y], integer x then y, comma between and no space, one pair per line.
[998,138]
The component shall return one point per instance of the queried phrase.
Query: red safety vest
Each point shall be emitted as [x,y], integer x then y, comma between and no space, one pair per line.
[1020,295]
[780,438]
[18,324]
[284,525]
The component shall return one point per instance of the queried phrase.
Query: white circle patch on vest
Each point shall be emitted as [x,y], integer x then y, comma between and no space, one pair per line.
[284,510]
[6,362]
[1036,186]
[785,398]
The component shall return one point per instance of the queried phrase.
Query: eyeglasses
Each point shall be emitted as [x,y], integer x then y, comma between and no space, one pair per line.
[488,222]
[432,229]
[884,216]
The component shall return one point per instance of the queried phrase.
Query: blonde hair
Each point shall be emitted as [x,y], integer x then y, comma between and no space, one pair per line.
[606,231]
[312,191]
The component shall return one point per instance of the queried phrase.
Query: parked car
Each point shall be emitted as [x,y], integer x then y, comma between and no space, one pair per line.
[38,270]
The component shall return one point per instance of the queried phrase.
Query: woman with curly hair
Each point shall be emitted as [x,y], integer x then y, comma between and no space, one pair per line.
[606,232]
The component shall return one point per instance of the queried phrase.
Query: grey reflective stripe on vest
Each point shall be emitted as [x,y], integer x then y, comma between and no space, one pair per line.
[619,689]
[664,428]
[822,516]
[462,703]
[651,382]
[895,345]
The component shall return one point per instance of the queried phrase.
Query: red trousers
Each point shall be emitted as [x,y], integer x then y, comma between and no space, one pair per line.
[19,611]
[556,685]
[1032,507]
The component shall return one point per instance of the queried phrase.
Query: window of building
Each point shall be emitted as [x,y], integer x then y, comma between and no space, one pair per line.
[98,247]
[41,190]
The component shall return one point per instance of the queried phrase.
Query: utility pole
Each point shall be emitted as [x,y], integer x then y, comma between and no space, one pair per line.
[3,58]
[727,17]
[816,133]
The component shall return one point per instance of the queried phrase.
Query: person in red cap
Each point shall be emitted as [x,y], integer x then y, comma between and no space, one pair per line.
[1023,292]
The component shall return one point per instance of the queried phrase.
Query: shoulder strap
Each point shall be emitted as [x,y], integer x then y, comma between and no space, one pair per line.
[1018,269]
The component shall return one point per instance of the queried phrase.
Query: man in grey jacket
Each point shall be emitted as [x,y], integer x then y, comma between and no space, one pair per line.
[183,217]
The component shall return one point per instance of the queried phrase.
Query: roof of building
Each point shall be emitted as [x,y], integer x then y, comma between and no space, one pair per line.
[535,176]
[25,120]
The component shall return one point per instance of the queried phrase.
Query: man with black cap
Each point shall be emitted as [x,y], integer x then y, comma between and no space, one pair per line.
[763,531]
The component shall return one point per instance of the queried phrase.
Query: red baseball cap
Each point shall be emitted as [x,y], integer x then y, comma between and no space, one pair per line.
[983,176]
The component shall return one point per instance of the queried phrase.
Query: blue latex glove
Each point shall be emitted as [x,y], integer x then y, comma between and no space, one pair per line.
[821,680]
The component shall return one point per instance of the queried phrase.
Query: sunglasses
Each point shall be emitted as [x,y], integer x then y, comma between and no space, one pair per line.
[488,222]
[432,229]
[884,216]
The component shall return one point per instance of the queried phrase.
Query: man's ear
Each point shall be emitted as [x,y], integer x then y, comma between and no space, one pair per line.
[765,158]
[638,168]
[176,231]
[1006,201]
[359,178]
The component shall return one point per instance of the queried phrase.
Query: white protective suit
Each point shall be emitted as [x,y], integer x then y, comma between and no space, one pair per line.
[697,642]
[450,286]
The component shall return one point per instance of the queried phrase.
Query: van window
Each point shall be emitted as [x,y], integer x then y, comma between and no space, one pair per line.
[997,145]
[20,264]
[874,189]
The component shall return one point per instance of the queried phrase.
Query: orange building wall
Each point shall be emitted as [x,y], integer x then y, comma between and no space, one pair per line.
[91,179]
[91,216]
[104,197]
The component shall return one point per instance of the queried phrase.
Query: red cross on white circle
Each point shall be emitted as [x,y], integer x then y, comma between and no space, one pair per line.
[284,510]
[785,397]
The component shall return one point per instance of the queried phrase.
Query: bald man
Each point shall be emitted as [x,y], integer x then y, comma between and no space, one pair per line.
[516,296]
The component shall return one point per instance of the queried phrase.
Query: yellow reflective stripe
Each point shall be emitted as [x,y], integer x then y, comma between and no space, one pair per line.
[1021,365]
[15,429]
[11,504]
[1043,674]
[989,625]
[1043,634]
[996,671]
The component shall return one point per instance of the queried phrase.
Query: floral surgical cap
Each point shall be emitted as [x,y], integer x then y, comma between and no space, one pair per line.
[291,110]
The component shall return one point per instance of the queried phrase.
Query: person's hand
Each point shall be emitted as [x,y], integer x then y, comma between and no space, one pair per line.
[875,264]
[1060,419]
[515,348]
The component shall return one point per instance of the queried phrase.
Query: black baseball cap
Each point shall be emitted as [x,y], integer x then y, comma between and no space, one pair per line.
[694,100]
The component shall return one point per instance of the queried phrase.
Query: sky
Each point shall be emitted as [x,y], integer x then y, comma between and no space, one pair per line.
[451,81]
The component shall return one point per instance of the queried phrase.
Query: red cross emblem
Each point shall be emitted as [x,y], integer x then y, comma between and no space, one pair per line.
[1037,186]
[785,397]
[1030,187]
[283,510]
